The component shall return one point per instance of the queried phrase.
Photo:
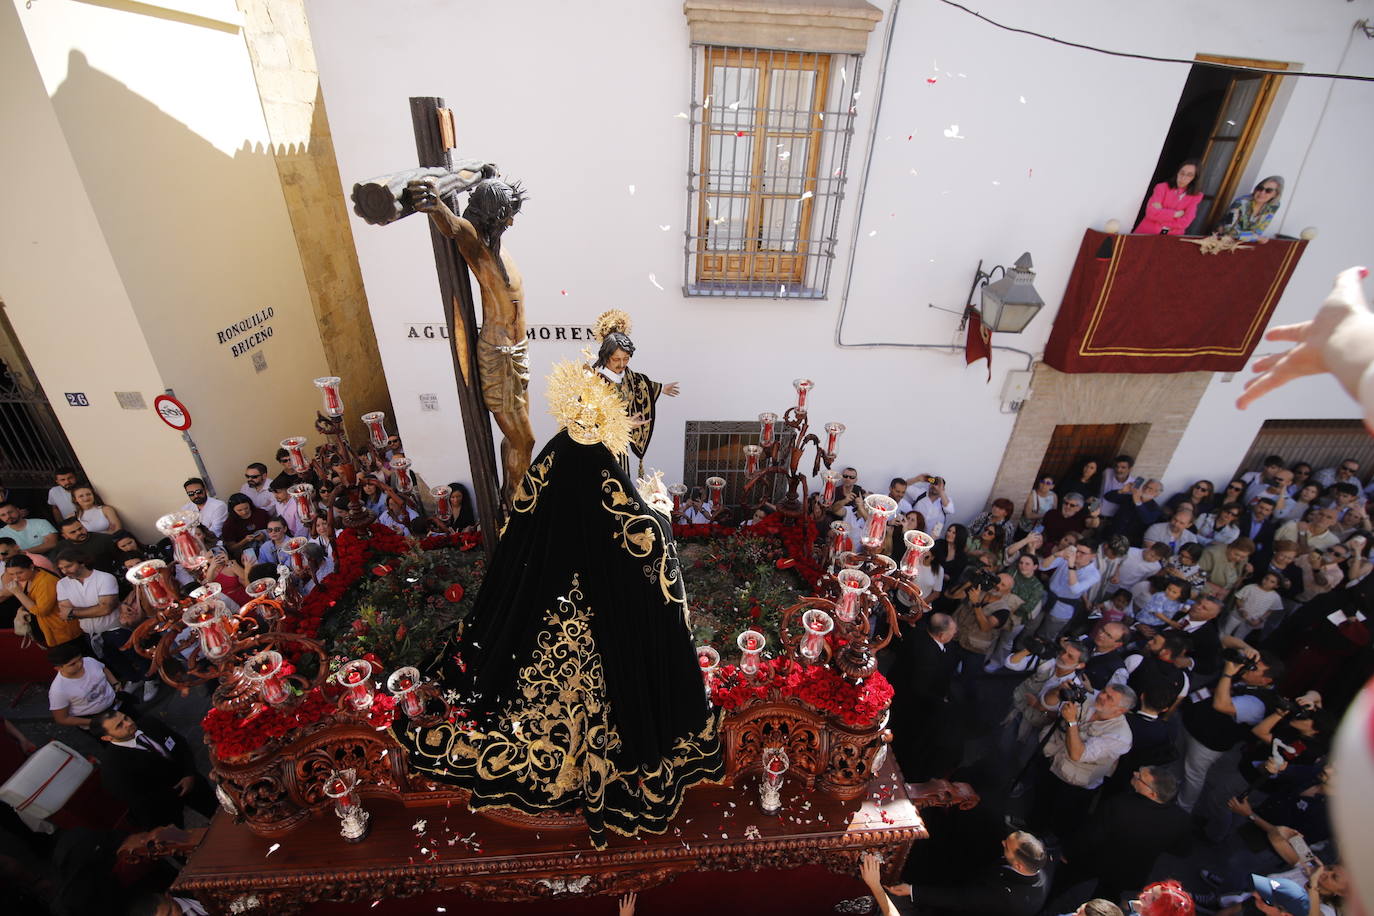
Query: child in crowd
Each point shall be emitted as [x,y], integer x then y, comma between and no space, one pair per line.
[1254,605]
[1115,609]
[1166,598]
[1184,565]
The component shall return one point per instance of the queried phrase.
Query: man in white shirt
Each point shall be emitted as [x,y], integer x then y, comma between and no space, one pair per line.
[1174,532]
[258,488]
[1080,755]
[1255,481]
[1314,534]
[213,512]
[88,596]
[60,496]
[1276,488]
[935,507]
[1116,477]
[82,687]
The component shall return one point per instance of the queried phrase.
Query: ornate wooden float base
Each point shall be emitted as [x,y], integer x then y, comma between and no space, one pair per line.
[719,828]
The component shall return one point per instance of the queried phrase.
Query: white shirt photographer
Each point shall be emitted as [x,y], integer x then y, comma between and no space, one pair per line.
[1104,739]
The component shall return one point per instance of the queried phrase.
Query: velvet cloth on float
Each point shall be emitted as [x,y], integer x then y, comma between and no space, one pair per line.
[1156,303]
[576,666]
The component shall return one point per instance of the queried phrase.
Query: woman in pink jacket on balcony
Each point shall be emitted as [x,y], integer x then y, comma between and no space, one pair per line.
[1173,204]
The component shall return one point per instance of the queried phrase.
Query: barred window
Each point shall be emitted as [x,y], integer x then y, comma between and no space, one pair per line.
[770,137]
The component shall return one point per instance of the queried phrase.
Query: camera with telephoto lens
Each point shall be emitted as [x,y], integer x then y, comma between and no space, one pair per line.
[1039,646]
[1232,654]
[1295,711]
[982,579]
[1073,692]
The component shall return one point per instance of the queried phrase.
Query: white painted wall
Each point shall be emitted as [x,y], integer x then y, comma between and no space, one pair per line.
[152,219]
[578,101]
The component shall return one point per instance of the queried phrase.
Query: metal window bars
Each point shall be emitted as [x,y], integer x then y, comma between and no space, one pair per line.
[715,448]
[770,139]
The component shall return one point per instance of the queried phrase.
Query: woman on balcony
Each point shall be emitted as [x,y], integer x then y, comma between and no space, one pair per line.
[1250,214]
[1172,204]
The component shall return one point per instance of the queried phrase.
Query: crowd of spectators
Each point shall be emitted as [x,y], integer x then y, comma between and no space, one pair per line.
[63,585]
[1128,679]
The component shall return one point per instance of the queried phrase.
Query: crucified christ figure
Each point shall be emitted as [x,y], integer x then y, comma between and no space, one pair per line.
[502,348]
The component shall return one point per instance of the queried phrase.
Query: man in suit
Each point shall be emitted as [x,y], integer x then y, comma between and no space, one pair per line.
[149,767]
[1017,887]
[1125,835]
[926,738]
[1259,525]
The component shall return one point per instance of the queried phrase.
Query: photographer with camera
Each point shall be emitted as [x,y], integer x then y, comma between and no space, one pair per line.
[1083,747]
[1217,719]
[1294,737]
[1030,709]
[982,616]
[1073,574]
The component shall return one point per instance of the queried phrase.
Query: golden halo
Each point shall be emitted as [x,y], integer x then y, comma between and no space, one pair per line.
[611,321]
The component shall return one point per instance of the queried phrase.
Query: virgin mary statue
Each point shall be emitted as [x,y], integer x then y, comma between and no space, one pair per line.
[576,669]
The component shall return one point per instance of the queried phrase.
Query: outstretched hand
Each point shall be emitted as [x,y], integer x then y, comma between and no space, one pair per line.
[1328,343]
[671,389]
[627,904]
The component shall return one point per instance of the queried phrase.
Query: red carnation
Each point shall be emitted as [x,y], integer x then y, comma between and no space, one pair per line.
[360,627]
[401,631]
[454,593]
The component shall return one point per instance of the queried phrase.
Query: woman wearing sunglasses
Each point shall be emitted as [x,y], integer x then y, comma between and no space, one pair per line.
[1248,217]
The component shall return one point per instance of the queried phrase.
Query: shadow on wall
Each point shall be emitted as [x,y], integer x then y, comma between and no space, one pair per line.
[198,238]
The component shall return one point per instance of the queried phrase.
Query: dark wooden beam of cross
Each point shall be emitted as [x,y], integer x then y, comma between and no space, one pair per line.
[384,200]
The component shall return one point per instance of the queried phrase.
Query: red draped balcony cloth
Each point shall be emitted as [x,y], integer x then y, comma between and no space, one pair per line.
[1156,303]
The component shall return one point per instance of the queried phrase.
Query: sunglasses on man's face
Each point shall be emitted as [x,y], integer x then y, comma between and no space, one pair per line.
[194,493]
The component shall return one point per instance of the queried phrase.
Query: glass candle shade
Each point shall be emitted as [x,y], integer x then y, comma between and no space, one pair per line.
[751,643]
[708,660]
[775,765]
[853,584]
[263,671]
[356,678]
[752,453]
[147,577]
[839,538]
[303,494]
[803,386]
[293,446]
[400,473]
[183,529]
[816,625]
[261,588]
[833,431]
[442,508]
[677,491]
[715,486]
[881,508]
[211,625]
[210,594]
[832,480]
[295,552]
[329,390]
[340,785]
[918,544]
[376,431]
[768,425]
[404,684]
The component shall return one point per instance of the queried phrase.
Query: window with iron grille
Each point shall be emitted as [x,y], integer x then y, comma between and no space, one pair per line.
[771,132]
[715,448]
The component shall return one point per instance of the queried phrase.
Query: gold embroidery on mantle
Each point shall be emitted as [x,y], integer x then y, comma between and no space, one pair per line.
[531,485]
[554,744]
[637,529]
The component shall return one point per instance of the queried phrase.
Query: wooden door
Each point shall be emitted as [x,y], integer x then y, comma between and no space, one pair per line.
[1069,443]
